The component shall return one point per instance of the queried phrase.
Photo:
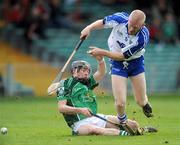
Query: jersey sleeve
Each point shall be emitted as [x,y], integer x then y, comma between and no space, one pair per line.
[93,83]
[143,39]
[115,19]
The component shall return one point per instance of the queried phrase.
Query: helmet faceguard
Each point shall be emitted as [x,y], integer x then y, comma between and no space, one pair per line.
[80,64]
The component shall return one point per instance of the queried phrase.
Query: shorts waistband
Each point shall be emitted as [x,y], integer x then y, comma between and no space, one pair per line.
[133,60]
[139,58]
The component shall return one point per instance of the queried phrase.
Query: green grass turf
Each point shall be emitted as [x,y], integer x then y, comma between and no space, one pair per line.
[36,121]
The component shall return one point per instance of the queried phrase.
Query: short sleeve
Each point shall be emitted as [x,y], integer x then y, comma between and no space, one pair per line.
[93,83]
[115,19]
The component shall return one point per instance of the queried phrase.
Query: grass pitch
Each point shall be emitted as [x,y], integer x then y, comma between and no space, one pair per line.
[36,121]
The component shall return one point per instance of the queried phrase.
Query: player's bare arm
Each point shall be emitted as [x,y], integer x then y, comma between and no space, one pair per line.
[95,25]
[95,51]
[66,109]
[101,69]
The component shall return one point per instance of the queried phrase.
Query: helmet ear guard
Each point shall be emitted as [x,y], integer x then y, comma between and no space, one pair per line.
[79,64]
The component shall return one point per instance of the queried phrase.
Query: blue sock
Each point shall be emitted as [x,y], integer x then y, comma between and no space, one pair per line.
[122,118]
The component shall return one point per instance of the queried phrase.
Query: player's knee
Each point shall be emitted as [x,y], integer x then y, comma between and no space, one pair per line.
[96,131]
[86,131]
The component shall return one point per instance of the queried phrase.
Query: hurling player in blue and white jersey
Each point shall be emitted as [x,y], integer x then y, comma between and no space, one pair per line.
[127,43]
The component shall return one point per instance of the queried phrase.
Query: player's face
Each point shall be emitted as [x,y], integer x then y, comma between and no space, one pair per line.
[83,73]
[133,27]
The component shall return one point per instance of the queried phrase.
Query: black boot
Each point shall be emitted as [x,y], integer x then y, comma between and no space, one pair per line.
[147,109]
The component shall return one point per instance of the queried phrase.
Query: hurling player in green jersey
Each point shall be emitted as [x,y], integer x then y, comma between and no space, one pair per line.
[77,101]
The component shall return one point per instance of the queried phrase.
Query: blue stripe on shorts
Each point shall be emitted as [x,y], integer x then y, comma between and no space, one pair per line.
[134,67]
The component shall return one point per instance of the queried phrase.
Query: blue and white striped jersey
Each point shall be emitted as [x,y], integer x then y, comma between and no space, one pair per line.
[132,46]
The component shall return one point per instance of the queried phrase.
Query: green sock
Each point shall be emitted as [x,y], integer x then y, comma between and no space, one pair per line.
[123,133]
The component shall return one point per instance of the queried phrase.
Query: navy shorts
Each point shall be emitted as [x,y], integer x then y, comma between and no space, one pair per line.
[127,68]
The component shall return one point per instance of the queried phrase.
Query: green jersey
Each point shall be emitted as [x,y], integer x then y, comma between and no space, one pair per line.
[77,95]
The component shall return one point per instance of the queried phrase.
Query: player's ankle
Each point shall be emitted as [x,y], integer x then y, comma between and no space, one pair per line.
[122,118]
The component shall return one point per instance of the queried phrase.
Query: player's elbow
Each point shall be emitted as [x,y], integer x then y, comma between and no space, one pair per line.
[61,109]
[62,106]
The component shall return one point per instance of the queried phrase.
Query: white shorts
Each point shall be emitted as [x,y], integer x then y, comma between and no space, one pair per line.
[90,121]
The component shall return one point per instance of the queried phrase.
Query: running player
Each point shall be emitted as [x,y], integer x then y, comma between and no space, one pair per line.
[127,43]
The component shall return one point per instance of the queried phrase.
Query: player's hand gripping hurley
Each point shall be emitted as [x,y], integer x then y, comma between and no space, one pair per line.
[55,84]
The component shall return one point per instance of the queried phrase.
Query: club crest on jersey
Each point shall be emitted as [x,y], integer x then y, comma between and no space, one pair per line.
[87,98]
[126,39]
